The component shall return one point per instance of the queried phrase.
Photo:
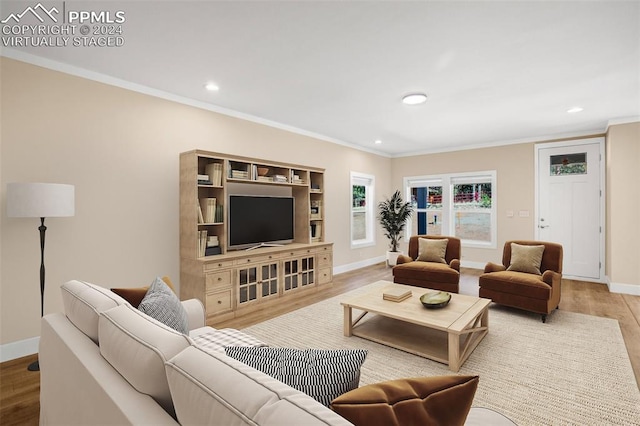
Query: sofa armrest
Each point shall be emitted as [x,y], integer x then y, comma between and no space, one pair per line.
[493,267]
[195,313]
[403,258]
[455,264]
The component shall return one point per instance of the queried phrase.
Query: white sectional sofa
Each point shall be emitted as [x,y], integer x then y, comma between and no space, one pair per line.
[103,362]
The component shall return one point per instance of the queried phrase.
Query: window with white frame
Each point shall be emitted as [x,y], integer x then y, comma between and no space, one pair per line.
[458,204]
[362,209]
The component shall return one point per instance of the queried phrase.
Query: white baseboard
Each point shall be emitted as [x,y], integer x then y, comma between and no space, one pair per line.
[19,349]
[357,265]
[623,288]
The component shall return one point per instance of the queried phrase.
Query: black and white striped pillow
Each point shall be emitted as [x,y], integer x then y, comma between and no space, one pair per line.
[320,373]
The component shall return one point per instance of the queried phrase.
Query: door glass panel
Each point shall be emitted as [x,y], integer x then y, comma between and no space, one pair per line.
[252,292]
[427,201]
[243,276]
[243,294]
[568,164]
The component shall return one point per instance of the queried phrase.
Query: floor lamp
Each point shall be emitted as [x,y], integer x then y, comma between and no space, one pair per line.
[40,200]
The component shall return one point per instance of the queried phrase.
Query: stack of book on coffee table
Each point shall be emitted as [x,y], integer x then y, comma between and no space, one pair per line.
[396,294]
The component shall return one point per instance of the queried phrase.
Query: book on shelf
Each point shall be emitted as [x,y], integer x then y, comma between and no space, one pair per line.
[396,294]
[212,241]
[214,170]
[280,178]
[200,215]
[239,174]
[211,251]
[208,209]
[219,214]
[202,242]
[204,180]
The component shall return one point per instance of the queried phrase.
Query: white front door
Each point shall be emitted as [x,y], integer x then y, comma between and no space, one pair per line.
[569,204]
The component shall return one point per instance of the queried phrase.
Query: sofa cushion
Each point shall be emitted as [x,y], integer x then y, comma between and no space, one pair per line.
[526,258]
[443,400]
[321,374]
[134,295]
[137,346]
[430,250]
[215,389]
[83,303]
[161,303]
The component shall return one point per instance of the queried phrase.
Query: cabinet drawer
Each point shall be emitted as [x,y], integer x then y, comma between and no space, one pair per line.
[212,266]
[255,259]
[299,253]
[219,302]
[324,260]
[218,279]
[323,249]
[324,276]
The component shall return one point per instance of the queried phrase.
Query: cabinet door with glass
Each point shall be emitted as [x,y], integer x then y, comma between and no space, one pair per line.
[257,282]
[299,273]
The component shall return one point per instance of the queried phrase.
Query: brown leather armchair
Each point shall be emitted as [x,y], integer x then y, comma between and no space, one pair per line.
[435,275]
[528,291]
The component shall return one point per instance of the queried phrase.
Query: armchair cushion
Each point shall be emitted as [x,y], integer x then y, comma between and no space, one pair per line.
[519,283]
[526,258]
[431,250]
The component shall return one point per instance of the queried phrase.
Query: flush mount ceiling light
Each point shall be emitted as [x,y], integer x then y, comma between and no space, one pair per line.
[574,109]
[414,99]
[378,142]
[212,87]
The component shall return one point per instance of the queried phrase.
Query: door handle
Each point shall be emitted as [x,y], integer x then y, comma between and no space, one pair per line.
[543,226]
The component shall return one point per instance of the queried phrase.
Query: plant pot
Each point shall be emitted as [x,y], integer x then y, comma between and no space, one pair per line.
[392,257]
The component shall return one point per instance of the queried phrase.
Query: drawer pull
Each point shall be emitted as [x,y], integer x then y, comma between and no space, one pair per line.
[219,302]
[219,278]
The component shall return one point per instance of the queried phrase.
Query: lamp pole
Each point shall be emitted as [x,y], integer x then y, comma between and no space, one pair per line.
[40,200]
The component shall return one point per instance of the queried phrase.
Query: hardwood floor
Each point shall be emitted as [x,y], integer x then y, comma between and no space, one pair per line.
[19,388]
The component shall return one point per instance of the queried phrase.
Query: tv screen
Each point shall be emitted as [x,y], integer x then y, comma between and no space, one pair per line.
[255,220]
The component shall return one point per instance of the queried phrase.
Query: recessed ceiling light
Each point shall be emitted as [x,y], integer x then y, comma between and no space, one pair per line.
[212,87]
[574,109]
[377,142]
[414,99]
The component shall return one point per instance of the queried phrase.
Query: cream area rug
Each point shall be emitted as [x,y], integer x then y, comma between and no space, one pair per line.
[573,370]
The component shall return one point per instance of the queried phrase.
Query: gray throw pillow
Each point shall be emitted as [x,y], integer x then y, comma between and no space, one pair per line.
[322,374]
[526,258]
[162,304]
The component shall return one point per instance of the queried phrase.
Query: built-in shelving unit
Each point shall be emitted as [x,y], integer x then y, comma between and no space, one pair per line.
[233,282]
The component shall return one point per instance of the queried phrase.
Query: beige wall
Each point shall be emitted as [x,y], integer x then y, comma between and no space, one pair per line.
[120,149]
[623,206]
[514,165]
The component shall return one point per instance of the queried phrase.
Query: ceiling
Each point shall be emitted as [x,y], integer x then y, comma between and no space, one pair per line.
[494,72]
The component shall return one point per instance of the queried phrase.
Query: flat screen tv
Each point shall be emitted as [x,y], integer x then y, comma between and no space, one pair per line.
[260,220]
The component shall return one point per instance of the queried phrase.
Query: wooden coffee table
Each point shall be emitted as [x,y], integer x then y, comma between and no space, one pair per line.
[446,335]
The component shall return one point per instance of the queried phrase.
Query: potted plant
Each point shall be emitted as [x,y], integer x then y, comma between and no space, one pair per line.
[393,214]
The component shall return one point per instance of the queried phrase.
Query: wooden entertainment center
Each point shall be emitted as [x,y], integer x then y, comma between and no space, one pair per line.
[230,282]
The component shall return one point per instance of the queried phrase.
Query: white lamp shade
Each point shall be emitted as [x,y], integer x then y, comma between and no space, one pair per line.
[40,200]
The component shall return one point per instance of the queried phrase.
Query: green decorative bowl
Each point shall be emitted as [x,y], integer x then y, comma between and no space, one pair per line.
[435,299]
